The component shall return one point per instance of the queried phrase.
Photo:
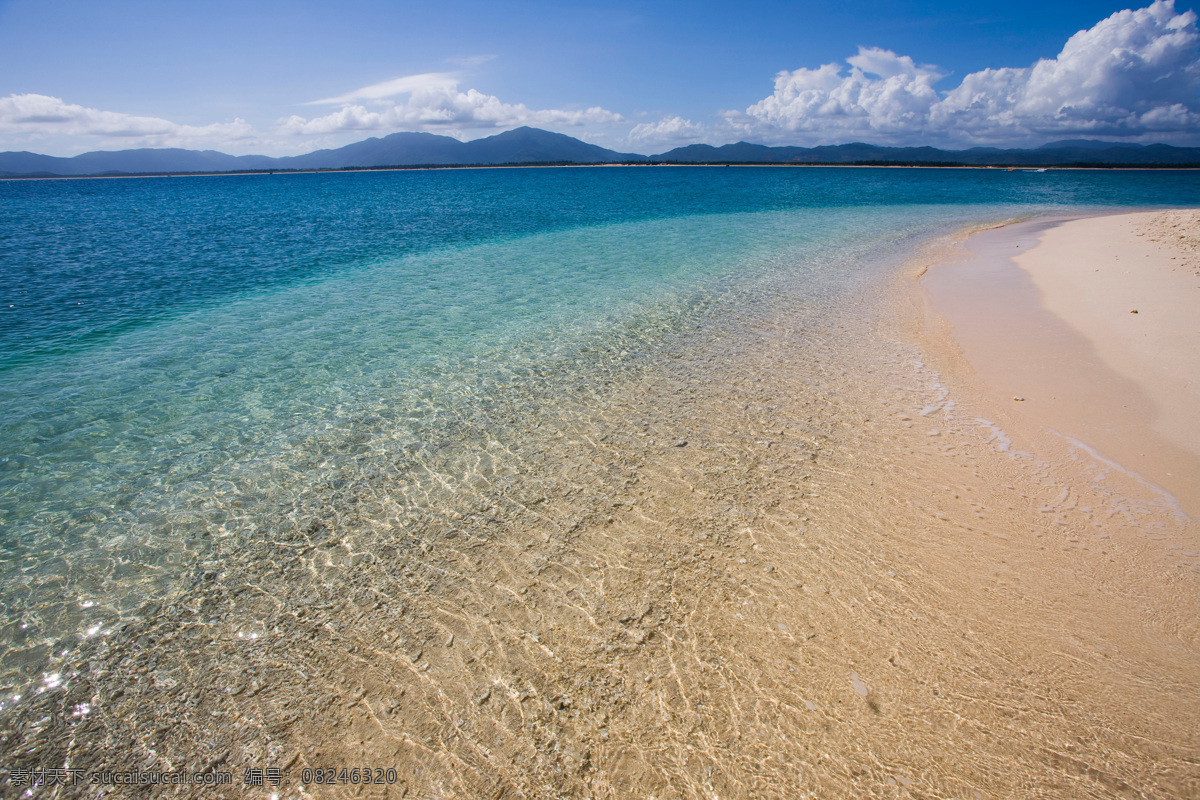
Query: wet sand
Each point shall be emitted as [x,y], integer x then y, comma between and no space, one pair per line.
[802,554]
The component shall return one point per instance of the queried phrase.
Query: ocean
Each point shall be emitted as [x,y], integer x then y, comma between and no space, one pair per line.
[197,372]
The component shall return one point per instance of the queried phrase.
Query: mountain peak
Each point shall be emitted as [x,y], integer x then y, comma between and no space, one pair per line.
[526,132]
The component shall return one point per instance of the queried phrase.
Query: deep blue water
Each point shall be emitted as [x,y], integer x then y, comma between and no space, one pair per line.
[181,358]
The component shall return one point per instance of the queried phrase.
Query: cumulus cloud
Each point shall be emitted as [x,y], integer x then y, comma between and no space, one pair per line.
[1135,74]
[38,116]
[435,103]
[669,130]
[883,91]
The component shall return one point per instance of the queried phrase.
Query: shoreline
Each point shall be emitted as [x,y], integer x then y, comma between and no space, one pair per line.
[1082,327]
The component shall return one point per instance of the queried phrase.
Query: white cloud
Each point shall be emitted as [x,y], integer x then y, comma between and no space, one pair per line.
[883,92]
[37,114]
[427,81]
[667,131]
[435,103]
[38,118]
[1135,74]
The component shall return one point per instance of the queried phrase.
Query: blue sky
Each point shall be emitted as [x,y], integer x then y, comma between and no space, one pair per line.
[288,77]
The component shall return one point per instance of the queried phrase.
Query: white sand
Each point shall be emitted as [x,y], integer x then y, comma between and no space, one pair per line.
[1094,273]
[1045,315]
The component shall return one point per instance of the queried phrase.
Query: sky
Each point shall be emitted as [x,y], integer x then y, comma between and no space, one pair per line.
[280,77]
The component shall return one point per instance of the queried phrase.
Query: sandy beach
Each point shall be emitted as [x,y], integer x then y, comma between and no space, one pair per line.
[1090,326]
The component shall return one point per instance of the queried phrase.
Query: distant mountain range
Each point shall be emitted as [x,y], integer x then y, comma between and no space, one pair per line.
[533,146]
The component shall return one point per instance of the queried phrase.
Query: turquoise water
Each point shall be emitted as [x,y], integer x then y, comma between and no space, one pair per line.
[188,359]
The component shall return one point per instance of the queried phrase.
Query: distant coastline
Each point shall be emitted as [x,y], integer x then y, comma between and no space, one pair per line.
[530,147]
[572,165]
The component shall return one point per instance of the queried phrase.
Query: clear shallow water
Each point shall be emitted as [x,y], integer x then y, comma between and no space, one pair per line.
[187,359]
